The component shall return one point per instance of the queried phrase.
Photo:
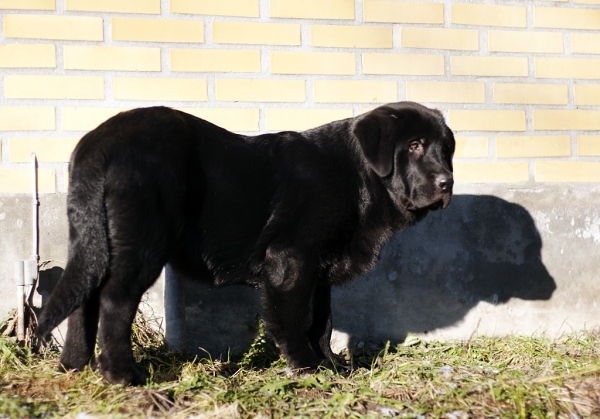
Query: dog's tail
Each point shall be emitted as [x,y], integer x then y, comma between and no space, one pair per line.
[88,259]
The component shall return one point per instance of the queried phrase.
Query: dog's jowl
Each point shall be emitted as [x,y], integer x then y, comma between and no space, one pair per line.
[292,213]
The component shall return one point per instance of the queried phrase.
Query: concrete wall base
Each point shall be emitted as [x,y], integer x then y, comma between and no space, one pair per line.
[499,261]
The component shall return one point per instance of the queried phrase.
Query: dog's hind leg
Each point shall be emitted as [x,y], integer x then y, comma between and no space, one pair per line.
[119,300]
[141,234]
[132,272]
[81,335]
[76,294]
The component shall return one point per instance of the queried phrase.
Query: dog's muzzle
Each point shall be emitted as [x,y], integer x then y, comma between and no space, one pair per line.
[444,183]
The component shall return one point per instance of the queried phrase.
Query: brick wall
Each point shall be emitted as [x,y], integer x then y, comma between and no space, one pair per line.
[519,81]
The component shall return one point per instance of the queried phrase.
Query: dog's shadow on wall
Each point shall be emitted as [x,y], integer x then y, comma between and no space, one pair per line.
[481,248]
[48,278]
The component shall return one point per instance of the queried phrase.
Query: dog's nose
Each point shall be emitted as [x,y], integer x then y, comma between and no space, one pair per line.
[444,182]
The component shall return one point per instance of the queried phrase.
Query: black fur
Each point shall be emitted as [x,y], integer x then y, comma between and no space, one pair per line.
[292,213]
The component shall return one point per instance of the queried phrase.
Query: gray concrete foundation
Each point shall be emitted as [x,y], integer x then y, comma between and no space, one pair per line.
[499,261]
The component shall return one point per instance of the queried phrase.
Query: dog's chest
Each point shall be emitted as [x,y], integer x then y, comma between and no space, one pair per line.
[357,256]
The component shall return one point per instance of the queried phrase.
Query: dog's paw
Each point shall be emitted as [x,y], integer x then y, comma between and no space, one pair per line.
[341,367]
[129,374]
[74,359]
[337,366]
[135,376]
[313,365]
[306,364]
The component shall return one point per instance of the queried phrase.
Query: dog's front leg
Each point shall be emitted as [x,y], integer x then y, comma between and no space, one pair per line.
[289,298]
[320,331]
[289,318]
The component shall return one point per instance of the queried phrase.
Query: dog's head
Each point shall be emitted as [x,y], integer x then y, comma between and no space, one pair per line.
[410,147]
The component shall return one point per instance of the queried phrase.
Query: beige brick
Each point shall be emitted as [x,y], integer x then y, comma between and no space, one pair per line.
[565,18]
[47,150]
[53,87]
[146,88]
[233,119]
[567,68]
[585,1]
[565,120]
[243,8]
[27,118]
[471,147]
[567,171]
[27,56]
[484,172]
[86,119]
[312,9]
[538,94]
[256,33]
[403,12]
[585,43]
[157,30]
[488,15]
[587,94]
[119,6]
[111,58]
[352,91]
[536,42]
[489,66]
[293,62]
[351,36]
[533,146]
[588,145]
[215,60]
[403,64]
[302,119]
[66,178]
[80,28]
[445,92]
[247,90]
[28,4]
[439,38]
[19,180]
[487,120]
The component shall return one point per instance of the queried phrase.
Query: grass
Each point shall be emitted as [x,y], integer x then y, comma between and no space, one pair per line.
[513,377]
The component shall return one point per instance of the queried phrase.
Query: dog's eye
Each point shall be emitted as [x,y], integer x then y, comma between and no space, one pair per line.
[414,146]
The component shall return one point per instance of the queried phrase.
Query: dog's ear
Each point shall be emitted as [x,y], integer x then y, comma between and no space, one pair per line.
[376,133]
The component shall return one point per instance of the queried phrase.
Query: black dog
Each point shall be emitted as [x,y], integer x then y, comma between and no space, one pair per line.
[291,213]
